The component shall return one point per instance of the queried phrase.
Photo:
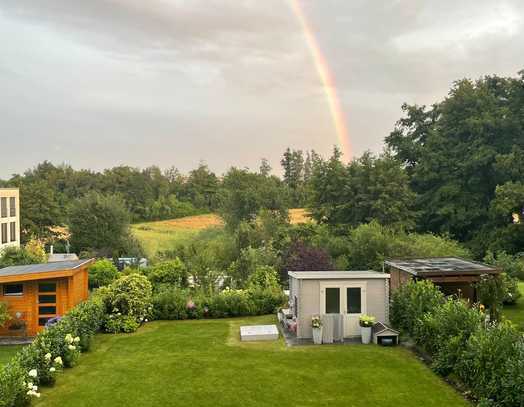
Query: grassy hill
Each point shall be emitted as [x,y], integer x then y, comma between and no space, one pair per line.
[163,235]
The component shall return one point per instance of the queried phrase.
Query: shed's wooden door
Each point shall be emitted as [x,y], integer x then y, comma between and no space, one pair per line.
[349,299]
[355,306]
[47,302]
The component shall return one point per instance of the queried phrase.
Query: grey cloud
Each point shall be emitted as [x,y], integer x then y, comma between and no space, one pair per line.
[100,82]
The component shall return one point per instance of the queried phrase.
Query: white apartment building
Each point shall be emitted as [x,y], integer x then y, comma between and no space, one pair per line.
[9,217]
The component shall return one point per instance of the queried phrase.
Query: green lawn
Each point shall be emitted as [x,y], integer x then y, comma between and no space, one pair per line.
[202,363]
[7,352]
[515,313]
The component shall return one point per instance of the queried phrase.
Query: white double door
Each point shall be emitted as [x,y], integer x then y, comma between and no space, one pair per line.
[348,299]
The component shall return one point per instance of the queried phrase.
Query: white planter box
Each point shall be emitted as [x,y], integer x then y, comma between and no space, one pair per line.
[317,336]
[365,331]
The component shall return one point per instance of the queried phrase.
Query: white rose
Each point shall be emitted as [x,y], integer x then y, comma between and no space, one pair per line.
[48,356]
[33,373]
[77,339]
[58,360]
[52,369]
[71,347]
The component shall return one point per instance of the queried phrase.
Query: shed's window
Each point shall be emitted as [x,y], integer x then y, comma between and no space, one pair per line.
[47,299]
[47,310]
[354,300]
[332,300]
[13,289]
[47,287]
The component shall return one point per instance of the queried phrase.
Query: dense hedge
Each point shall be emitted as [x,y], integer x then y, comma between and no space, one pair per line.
[174,303]
[487,358]
[56,347]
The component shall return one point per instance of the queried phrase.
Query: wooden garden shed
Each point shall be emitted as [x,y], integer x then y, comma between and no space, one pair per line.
[451,274]
[38,292]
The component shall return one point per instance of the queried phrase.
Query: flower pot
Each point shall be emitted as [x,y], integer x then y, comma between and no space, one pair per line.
[317,336]
[365,331]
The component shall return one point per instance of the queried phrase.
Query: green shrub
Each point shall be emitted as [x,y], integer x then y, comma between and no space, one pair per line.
[4,314]
[513,266]
[101,273]
[263,277]
[512,393]
[444,332]
[172,303]
[129,296]
[121,323]
[171,272]
[491,292]
[484,362]
[13,385]
[17,256]
[411,301]
[511,289]
[266,300]
[452,318]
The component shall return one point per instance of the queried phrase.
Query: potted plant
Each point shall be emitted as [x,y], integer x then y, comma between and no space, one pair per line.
[316,324]
[366,323]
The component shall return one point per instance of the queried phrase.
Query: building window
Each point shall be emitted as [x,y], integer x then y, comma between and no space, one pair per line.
[12,231]
[47,299]
[47,310]
[4,233]
[354,300]
[13,289]
[3,207]
[47,287]
[12,206]
[332,300]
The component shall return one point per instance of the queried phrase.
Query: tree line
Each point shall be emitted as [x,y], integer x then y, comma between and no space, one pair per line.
[455,168]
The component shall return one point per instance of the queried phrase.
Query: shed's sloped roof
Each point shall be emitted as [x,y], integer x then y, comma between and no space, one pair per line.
[341,275]
[42,268]
[443,265]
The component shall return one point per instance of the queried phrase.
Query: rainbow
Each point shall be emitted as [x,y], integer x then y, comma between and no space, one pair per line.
[326,77]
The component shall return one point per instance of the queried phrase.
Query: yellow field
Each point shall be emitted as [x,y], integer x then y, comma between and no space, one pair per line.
[165,234]
[299,215]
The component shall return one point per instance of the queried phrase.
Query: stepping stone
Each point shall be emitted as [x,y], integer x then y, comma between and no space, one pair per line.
[258,333]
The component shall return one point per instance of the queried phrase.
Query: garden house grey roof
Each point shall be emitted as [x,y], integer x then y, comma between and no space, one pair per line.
[441,266]
[42,268]
[321,275]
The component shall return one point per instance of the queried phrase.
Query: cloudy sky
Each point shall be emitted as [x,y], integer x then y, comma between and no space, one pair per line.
[97,83]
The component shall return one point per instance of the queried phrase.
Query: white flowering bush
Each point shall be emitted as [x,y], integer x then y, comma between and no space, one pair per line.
[128,303]
[54,348]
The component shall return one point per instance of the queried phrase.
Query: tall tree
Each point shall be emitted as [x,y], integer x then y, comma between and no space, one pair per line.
[459,150]
[101,223]
[368,188]
[293,165]
[244,194]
